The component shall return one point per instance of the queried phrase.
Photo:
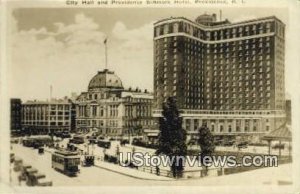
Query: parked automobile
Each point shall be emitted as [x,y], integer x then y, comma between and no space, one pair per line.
[41,150]
[32,179]
[12,157]
[278,146]
[57,134]
[124,141]
[29,173]
[65,135]
[92,140]
[44,182]
[88,160]
[242,144]
[18,162]
[14,140]
[77,140]
[228,143]
[37,145]
[104,144]
[192,142]
[218,142]
[71,147]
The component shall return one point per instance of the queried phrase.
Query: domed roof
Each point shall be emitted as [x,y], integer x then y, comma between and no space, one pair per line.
[105,79]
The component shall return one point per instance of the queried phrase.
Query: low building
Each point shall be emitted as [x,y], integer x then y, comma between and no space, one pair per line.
[43,117]
[110,109]
[15,115]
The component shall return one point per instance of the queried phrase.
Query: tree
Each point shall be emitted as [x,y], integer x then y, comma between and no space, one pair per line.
[172,137]
[206,142]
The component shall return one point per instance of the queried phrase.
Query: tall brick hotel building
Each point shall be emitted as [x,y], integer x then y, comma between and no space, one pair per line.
[228,75]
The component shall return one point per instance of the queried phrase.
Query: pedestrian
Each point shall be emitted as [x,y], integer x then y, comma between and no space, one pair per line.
[157,171]
[19,179]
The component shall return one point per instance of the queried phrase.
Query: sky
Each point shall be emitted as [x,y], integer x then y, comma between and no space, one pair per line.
[63,47]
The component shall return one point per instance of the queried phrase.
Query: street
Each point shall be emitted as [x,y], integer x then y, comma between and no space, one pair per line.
[87,176]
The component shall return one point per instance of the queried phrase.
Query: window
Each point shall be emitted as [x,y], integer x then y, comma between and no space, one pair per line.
[175,27]
[212,127]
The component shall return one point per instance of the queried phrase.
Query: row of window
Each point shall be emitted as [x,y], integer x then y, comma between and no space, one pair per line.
[40,117]
[113,123]
[233,32]
[194,105]
[37,123]
[98,123]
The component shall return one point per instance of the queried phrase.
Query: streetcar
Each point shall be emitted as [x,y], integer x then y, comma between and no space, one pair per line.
[37,142]
[66,162]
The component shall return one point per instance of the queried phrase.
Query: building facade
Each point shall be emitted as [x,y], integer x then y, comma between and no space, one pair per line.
[15,114]
[110,109]
[42,117]
[228,75]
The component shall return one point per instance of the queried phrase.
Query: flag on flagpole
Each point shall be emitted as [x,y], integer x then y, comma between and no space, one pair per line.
[105,41]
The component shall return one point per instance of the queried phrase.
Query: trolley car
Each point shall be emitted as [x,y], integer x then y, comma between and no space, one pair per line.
[37,142]
[66,162]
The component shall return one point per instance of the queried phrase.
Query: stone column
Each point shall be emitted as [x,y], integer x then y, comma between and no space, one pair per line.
[263,125]
[217,125]
[250,125]
[225,126]
[192,124]
[233,125]
[184,123]
[200,122]
[242,125]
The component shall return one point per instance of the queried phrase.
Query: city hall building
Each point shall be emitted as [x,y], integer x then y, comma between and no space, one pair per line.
[111,110]
[44,117]
[228,75]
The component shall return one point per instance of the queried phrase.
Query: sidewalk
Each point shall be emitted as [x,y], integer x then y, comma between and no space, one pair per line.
[130,172]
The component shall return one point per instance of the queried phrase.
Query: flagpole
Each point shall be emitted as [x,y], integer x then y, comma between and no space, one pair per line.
[105,42]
